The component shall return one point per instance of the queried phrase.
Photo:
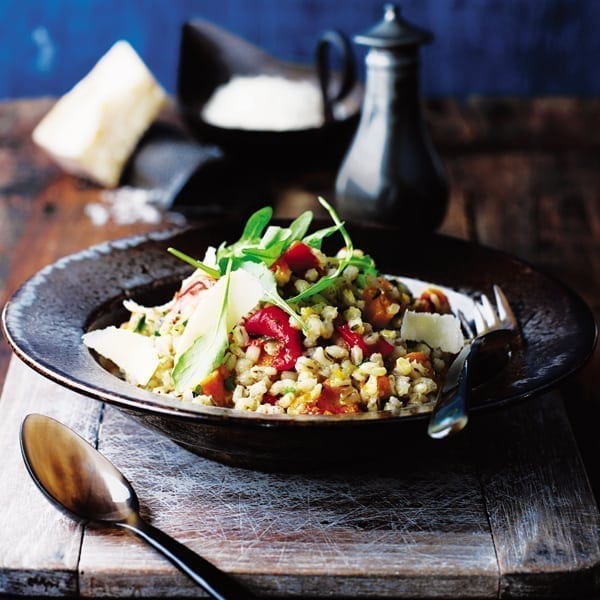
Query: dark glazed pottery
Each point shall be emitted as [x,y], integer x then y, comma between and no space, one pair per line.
[210,56]
[45,318]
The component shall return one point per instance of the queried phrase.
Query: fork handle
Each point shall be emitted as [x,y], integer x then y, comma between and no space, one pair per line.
[450,414]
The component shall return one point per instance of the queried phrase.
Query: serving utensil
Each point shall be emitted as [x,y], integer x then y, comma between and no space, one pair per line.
[82,482]
[496,329]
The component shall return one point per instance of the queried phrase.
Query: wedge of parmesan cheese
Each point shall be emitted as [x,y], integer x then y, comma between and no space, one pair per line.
[244,294]
[93,129]
[437,331]
[133,353]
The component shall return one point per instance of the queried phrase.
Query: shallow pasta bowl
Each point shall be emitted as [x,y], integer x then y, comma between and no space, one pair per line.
[45,318]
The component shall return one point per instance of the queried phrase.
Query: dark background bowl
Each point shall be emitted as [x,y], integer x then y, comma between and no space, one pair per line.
[210,56]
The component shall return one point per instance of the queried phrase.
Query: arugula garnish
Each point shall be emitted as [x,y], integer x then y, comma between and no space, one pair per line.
[266,278]
[215,273]
[328,280]
[207,351]
[263,246]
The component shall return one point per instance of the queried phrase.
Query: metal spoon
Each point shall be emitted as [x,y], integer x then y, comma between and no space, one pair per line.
[88,487]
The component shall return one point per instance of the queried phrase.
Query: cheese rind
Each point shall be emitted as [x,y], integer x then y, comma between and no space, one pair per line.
[94,128]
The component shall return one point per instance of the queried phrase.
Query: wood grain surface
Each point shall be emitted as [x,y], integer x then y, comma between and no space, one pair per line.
[508,512]
[504,511]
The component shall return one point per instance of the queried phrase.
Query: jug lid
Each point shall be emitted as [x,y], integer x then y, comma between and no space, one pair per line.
[393,32]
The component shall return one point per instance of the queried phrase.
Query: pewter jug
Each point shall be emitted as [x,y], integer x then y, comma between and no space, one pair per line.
[391,174]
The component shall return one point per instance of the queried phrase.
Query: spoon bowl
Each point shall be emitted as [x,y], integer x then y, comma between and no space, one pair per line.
[85,485]
[73,475]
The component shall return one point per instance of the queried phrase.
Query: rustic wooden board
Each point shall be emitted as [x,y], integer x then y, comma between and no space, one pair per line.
[39,547]
[478,518]
[544,520]
[377,533]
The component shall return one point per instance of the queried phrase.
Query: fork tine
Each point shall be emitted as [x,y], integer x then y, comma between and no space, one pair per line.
[466,325]
[487,311]
[505,312]
[479,320]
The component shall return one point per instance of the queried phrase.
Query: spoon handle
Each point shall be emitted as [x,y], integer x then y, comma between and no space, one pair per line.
[214,581]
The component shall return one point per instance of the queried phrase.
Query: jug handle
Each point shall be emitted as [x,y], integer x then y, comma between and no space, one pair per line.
[339,41]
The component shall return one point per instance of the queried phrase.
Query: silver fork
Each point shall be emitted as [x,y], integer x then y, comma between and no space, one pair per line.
[495,328]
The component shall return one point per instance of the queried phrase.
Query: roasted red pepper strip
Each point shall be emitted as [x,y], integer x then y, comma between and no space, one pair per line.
[384,348]
[352,338]
[273,322]
[355,339]
[300,257]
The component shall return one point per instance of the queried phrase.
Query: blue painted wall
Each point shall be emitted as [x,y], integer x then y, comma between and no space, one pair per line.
[486,47]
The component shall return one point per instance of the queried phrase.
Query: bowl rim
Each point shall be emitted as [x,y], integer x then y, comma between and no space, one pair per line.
[154,404]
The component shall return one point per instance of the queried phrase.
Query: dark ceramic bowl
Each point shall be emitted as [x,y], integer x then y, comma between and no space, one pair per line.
[209,57]
[45,318]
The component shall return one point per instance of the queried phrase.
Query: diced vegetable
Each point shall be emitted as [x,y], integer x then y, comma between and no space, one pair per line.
[380,305]
[330,403]
[355,339]
[273,322]
[433,300]
[214,386]
[299,257]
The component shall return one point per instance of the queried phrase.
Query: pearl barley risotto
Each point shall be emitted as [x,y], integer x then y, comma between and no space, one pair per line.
[271,324]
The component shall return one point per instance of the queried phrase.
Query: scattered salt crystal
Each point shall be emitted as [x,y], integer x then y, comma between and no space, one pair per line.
[265,102]
[97,213]
[130,205]
[127,205]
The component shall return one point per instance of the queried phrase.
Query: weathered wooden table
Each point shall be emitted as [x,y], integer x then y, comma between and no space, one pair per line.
[505,510]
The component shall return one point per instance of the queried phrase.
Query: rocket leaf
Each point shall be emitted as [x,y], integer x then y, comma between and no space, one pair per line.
[207,351]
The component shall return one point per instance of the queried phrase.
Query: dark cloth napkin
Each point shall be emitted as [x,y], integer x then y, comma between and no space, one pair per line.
[194,178]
